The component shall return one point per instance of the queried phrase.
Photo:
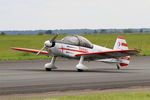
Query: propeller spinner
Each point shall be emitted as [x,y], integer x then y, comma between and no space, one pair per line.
[49,43]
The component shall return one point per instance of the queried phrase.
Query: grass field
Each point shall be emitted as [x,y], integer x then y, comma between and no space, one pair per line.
[138,41]
[101,96]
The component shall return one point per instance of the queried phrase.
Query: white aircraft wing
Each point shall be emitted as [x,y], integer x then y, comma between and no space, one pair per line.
[31,51]
[109,54]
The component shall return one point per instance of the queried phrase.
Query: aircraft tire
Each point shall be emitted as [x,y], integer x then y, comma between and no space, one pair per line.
[80,70]
[48,69]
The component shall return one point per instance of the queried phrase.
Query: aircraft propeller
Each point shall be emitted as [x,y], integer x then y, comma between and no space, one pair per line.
[49,43]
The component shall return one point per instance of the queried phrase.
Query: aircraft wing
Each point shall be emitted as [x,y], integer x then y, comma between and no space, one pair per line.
[31,51]
[109,54]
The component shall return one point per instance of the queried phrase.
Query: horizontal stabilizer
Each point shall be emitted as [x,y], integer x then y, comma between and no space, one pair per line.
[108,60]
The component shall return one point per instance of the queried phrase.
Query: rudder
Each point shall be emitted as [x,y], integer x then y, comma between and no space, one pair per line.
[121,44]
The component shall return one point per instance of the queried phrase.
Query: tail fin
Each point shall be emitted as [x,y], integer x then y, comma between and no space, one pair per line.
[121,44]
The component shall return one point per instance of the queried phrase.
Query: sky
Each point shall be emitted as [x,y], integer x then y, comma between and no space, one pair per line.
[73,14]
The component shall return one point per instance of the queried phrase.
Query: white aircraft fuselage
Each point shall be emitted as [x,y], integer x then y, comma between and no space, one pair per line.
[70,51]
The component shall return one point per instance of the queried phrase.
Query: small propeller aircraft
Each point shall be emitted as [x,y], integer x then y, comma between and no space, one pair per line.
[78,47]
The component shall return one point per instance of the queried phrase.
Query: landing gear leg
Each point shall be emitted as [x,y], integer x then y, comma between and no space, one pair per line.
[80,67]
[51,65]
[118,67]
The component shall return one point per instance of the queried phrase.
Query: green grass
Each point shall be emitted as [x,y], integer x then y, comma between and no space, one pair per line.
[138,41]
[101,96]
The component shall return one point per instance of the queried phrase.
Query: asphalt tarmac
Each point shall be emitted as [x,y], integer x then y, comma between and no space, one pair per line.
[29,76]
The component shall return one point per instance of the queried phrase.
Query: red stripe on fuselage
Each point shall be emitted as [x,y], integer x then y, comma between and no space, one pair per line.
[73,50]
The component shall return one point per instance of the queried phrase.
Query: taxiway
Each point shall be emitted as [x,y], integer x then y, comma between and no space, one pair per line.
[29,76]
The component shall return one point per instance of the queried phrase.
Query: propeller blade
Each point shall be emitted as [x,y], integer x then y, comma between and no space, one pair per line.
[54,37]
[40,50]
[47,43]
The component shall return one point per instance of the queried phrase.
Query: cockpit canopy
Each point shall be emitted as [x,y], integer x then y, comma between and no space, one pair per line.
[78,41]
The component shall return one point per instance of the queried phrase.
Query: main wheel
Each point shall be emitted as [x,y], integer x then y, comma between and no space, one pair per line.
[80,70]
[48,69]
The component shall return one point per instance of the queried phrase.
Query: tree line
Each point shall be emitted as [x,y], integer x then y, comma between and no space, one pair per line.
[75,31]
[2,33]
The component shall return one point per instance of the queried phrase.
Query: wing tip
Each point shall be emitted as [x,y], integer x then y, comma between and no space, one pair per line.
[13,48]
[29,50]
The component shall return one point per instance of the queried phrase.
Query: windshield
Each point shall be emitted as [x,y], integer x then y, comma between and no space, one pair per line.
[77,40]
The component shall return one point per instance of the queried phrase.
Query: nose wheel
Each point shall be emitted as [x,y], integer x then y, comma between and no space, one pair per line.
[51,65]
